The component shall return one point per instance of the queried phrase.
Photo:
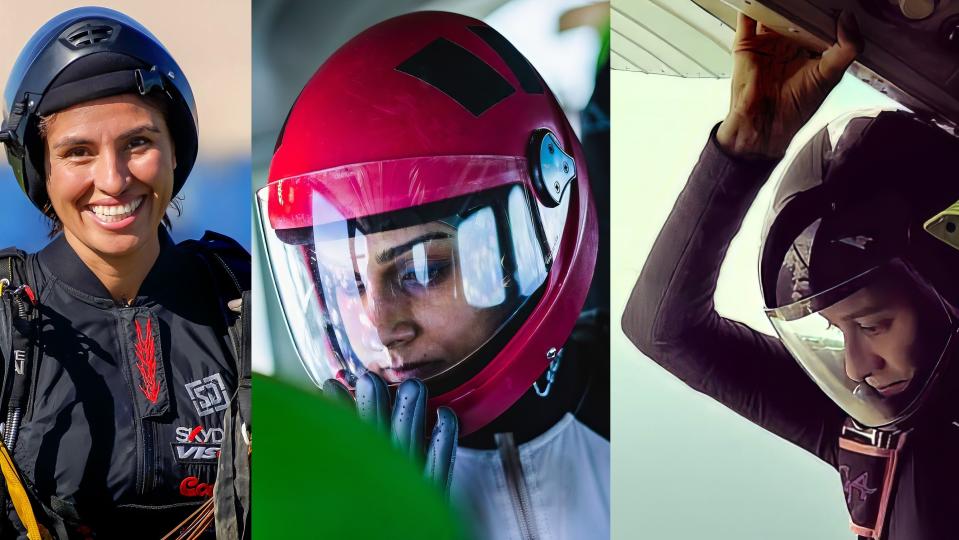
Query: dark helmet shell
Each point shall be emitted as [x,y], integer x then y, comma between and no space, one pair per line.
[84,54]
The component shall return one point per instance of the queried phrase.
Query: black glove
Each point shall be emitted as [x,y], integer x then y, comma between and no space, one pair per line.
[407,422]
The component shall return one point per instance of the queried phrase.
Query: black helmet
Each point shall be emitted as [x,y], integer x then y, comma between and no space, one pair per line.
[80,55]
[861,291]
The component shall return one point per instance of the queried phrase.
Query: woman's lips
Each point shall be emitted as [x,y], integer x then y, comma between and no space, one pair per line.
[420,370]
[116,216]
[892,389]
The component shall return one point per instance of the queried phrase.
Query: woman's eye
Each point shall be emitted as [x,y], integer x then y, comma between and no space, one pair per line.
[423,275]
[873,328]
[138,142]
[77,152]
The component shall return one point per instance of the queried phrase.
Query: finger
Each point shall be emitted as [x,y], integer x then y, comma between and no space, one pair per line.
[441,453]
[849,43]
[766,32]
[409,417]
[848,33]
[337,391]
[745,27]
[373,400]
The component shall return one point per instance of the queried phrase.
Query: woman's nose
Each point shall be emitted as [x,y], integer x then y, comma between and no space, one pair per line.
[860,360]
[111,174]
[390,314]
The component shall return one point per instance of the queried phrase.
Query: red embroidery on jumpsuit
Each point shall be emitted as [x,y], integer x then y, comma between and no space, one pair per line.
[147,362]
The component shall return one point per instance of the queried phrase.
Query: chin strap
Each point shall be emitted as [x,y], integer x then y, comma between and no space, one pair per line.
[868,458]
[555,357]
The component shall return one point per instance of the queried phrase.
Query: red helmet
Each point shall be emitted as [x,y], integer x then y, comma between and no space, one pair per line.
[428,214]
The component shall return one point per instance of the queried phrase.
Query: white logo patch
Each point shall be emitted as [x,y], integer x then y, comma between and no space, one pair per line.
[19,358]
[199,434]
[196,453]
[208,394]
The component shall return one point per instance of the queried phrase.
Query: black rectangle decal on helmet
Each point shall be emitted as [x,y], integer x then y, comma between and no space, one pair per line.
[459,74]
[520,67]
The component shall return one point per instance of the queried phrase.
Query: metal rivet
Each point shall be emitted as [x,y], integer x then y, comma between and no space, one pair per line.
[551,353]
[556,186]
[550,148]
[565,167]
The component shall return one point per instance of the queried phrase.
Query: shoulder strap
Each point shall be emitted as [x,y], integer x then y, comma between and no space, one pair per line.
[12,262]
[15,272]
[229,265]
[13,266]
[227,259]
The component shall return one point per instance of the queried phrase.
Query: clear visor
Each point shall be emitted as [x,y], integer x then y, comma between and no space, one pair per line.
[873,343]
[425,292]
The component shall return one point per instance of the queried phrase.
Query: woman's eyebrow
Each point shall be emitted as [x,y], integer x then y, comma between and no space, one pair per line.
[863,311]
[389,254]
[71,141]
[82,140]
[144,128]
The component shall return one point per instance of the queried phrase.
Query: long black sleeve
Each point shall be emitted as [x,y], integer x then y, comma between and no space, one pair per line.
[671,317]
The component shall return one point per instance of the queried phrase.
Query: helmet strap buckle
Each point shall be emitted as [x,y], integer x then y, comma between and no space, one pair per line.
[147,81]
[555,357]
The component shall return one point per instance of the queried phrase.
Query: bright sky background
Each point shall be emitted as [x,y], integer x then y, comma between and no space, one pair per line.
[686,467]
[566,60]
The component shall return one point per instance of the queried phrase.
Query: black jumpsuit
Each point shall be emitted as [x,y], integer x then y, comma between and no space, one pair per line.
[671,318]
[126,414]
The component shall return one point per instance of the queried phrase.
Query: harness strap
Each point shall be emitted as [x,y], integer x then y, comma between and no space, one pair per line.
[22,333]
[229,508]
[868,459]
[24,336]
[18,495]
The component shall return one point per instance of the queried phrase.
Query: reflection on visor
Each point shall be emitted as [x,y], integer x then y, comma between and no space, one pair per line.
[410,293]
[875,349]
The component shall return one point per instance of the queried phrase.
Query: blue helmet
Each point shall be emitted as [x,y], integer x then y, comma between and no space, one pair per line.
[81,55]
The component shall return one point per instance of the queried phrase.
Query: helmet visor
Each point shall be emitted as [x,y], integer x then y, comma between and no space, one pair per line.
[425,291]
[872,343]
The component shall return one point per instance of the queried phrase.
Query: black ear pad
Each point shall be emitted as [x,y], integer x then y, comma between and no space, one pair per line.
[34,163]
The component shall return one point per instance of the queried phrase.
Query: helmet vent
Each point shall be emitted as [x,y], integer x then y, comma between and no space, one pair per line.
[89,35]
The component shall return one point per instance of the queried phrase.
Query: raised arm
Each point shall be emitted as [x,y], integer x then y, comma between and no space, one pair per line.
[776,88]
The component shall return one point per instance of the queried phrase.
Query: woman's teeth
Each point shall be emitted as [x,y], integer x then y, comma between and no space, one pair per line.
[116,212]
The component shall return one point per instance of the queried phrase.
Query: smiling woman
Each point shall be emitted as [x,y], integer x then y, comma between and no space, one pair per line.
[117,391]
[109,167]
